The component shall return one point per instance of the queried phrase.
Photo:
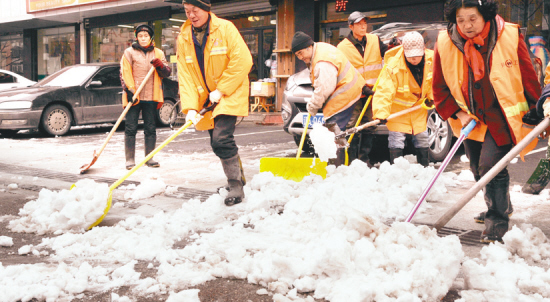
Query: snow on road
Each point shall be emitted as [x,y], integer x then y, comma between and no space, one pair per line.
[329,238]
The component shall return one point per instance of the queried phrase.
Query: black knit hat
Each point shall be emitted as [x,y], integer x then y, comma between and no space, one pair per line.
[202,4]
[300,41]
[144,27]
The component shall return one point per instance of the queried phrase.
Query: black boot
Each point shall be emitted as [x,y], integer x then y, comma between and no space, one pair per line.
[130,151]
[243,179]
[232,167]
[497,198]
[365,146]
[395,153]
[422,156]
[150,142]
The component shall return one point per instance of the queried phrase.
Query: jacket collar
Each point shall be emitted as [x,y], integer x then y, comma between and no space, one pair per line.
[497,27]
[186,27]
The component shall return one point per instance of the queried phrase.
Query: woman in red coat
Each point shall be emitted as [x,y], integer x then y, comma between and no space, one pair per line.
[482,71]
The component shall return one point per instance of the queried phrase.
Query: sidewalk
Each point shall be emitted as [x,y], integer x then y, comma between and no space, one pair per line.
[264,118]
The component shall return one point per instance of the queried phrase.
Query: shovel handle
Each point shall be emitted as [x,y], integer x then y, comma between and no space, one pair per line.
[160,147]
[303,139]
[115,127]
[441,222]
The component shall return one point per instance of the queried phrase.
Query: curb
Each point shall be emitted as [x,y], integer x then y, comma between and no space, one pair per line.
[264,118]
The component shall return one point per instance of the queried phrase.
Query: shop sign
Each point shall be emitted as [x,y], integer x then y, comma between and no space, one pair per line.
[39,5]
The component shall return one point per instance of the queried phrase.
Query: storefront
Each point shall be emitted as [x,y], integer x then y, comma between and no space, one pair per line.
[11,52]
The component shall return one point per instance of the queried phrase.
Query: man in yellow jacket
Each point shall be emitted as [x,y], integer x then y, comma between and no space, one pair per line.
[406,82]
[366,53]
[336,84]
[213,66]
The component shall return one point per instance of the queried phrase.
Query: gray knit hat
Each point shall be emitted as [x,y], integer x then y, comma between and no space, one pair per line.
[300,41]
[202,4]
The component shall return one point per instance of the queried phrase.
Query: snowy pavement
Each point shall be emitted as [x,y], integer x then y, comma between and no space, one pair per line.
[334,239]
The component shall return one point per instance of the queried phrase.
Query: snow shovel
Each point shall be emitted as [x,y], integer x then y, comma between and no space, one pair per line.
[540,177]
[147,158]
[294,168]
[346,162]
[85,168]
[353,130]
[441,222]
[463,134]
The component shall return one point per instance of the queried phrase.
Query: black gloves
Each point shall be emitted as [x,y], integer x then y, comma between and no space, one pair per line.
[382,122]
[531,117]
[366,91]
[129,96]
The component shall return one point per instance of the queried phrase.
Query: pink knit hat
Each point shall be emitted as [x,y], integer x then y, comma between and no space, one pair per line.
[413,44]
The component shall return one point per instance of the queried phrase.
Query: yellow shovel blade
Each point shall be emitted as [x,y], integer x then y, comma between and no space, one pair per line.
[293,168]
[107,208]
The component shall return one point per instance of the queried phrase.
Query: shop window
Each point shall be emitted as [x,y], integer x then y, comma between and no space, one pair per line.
[55,49]
[109,43]
[11,51]
[7,78]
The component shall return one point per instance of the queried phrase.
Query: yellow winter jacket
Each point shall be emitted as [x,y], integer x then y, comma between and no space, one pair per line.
[136,70]
[349,82]
[368,66]
[397,90]
[227,62]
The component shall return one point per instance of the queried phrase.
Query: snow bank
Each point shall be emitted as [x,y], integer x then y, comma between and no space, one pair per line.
[507,272]
[63,211]
[325,237]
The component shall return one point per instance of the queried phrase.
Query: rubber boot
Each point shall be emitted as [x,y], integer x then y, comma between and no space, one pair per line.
[422,156]
[497,198]
[395,153]
[130,151]
[365,147]
[243,179]
[150,145]
[232,168]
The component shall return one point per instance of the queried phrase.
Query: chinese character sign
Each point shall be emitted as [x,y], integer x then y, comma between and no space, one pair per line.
[341,5]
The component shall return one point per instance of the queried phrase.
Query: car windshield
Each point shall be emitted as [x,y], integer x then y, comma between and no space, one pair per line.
[70,76]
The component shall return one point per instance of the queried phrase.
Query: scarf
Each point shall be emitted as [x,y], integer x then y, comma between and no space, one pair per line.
[146,49]
[471,54]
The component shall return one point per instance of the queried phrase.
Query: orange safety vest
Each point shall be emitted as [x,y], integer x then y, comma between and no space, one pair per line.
[349,83]
[397,90]
[505,77]
[370,65]
[128,77]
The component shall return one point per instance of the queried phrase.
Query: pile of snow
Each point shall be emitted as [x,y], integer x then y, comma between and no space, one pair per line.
[323,142]
[6,241]
[151,186]
[66,210]
[507,272]
[325,237]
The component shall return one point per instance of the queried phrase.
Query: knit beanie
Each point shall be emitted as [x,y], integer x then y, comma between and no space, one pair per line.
[202,4]
[144,27]
[301,41]
[413,44]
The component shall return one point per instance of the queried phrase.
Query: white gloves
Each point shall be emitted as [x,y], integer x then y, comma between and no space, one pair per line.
[215,96]
[546,107]
[191,116]
[310,107]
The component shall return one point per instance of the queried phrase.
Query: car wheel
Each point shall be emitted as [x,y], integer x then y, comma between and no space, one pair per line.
[308,145]
[56,120]
[163,116]
[440,137]
[8,133]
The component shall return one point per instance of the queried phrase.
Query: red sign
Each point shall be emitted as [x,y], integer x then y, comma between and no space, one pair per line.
[341,5]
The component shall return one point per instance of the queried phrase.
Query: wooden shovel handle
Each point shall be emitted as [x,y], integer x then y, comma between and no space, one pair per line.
[126,110]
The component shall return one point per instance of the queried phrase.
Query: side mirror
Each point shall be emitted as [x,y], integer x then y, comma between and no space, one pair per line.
[95,84]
